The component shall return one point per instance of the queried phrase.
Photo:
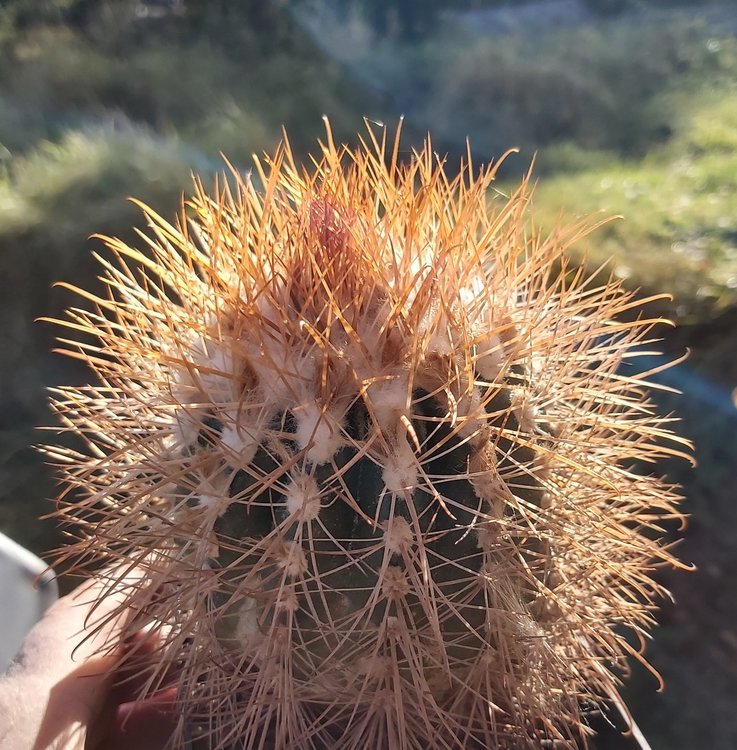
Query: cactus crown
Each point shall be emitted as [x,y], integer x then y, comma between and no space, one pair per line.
[372,441]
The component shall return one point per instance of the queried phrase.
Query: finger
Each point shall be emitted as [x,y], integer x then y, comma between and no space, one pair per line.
[60,679]
[136,667]
[138,681]
[77,626]
[145,725]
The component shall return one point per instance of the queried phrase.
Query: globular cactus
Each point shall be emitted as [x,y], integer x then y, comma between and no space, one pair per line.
[371,438]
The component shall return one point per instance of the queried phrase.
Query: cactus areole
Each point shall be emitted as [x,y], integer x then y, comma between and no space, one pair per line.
[371,440]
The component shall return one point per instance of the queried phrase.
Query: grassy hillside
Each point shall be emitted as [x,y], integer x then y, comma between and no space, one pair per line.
[678,231]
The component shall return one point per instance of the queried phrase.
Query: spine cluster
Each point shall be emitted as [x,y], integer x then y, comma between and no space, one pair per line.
[372,439]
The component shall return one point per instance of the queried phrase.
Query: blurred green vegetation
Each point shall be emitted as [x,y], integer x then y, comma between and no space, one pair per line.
[593,85]
[678,232]
[620,112]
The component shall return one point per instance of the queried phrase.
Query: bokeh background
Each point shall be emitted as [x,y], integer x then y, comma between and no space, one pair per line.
[630,107]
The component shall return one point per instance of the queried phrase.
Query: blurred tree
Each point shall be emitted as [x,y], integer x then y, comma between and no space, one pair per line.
[614,7]
[410,19]
[244,27]
[407,19]
[256,12]
[23,15]
[20,14]
[608,7]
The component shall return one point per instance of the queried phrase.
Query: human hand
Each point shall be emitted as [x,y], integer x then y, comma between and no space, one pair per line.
[63,692]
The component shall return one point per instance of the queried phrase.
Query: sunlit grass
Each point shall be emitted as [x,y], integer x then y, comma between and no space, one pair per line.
[678,233]
[63,191]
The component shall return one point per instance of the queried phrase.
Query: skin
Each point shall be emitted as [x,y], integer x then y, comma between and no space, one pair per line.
[63,693]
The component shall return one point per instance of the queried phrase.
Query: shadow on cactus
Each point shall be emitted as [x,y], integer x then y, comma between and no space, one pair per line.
[371,440]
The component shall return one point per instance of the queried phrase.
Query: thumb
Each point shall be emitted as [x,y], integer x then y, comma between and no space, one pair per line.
[61,677]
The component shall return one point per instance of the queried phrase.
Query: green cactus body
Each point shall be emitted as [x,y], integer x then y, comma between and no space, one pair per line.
[373,454]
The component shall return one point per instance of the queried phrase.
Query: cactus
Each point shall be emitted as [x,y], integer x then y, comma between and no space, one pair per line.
[372,439]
